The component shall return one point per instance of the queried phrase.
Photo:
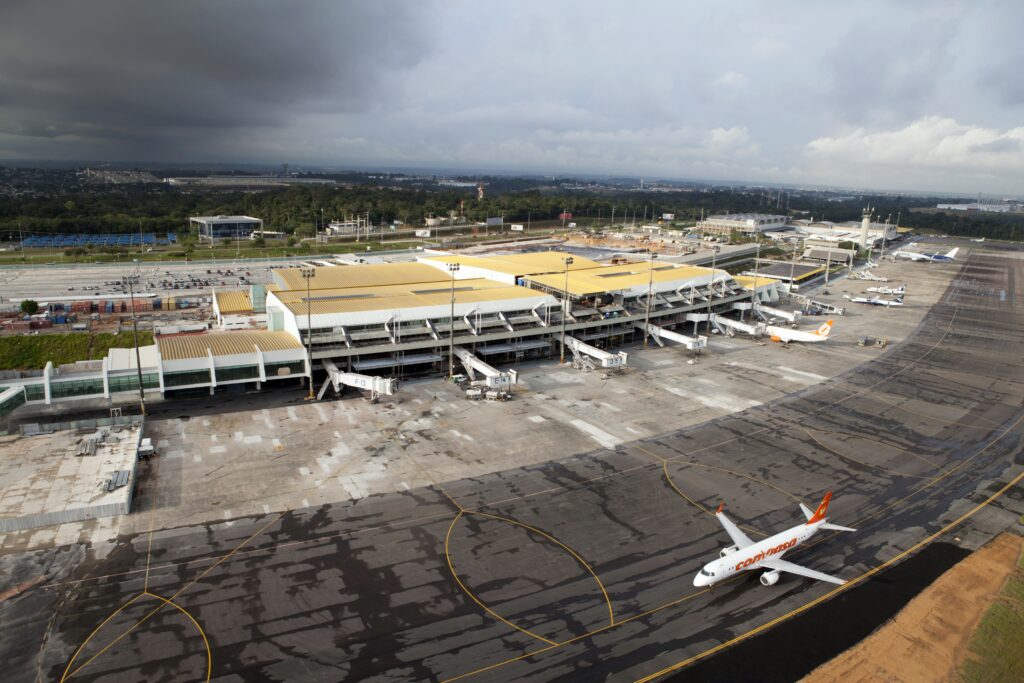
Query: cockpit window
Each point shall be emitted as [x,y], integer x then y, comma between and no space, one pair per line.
[705,572]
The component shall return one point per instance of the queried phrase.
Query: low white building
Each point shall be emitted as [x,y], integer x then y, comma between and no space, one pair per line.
[743,223]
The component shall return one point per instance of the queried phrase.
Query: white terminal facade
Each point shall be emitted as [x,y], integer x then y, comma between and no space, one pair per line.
[395,320]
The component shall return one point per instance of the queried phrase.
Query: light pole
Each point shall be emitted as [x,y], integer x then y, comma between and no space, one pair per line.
[757,263]
[308,274]
[792,268]
[130,280]
[452,268]
[565,305]
[650,291]
[711,285]
[828,261]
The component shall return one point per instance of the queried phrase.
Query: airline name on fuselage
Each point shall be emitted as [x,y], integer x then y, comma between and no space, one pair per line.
[766,553]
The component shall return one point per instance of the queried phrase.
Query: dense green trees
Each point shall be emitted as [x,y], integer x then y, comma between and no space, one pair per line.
[296,210]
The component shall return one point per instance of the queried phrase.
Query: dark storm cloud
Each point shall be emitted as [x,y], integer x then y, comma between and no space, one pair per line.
[140,77]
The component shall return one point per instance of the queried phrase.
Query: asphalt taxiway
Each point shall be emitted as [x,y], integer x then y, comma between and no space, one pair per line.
[577,568]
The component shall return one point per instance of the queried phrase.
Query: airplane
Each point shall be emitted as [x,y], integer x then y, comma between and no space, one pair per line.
[875,301]
[745,555]
[902,289]
[920,256]
[980,239]
[786,335]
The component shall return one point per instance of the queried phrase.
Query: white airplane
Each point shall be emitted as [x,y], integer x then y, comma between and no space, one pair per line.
[786,335]
[902,289]
[979,240]
[875,301]
[745,555]
[920,256]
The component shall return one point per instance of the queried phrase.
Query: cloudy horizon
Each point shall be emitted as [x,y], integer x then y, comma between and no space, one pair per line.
[903,96]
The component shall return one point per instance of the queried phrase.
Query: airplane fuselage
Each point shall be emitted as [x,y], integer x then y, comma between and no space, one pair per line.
[748,558]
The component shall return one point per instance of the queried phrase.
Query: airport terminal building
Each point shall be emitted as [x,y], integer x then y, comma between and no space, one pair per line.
[400,319]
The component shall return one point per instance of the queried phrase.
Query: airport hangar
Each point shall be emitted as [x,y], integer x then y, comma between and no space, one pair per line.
[393,320]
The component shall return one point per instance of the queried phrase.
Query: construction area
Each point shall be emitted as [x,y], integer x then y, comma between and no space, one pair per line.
[65,476]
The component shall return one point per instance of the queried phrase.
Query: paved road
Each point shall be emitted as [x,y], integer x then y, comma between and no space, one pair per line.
[578,568]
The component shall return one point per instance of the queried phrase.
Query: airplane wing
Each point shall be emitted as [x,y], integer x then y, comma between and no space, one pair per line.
[783,566]
[738,537]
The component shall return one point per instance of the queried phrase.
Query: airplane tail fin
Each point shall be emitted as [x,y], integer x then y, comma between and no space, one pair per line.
[819,514]
[824,329]
[952,252]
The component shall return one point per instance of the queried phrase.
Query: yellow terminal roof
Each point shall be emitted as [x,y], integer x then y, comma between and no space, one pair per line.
[750,282]
[601,280]
[530,263]
[233,302]
[224,344]
[369,275]
[397,297]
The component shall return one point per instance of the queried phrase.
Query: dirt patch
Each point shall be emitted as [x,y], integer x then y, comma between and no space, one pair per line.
[928,639]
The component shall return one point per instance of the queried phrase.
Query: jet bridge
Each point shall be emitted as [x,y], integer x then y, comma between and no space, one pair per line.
[587,357]
[658,333]
[767,311]
[377,386]
[729,327]
[492,377]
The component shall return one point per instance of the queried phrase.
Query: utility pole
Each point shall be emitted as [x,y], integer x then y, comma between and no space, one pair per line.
[130,280]
[452,268]
[565,305]
[650,292]
[308,274]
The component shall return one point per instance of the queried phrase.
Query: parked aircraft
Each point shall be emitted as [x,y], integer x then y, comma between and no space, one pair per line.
[745,555]
[980,239]
[902,289]
[920,256]
[875,301]
[786,335]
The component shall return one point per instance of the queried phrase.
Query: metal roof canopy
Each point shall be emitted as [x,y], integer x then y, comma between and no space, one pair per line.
[233,301]
[186,346]
[529,263]
[363,275]
[607,279]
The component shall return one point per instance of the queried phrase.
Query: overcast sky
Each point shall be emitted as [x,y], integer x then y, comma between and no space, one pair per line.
[902,95]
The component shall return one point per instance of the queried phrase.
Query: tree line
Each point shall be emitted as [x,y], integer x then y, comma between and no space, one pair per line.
[297,209]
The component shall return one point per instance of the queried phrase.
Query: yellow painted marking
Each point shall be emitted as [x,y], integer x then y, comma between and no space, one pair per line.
[206,643]
[96,630]
[146,618]
[869,465]
[455,575]
[611,613]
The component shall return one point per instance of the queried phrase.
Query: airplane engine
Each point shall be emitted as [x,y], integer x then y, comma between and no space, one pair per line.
[727,551]
[770,578]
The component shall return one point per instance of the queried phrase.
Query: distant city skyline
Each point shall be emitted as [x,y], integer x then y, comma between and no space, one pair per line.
[904,96]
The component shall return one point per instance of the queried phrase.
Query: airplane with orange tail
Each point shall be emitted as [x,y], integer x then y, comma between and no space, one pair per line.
[786,335]
[745,555]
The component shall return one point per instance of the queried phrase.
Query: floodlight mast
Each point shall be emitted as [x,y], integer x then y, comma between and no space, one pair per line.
[565,305]
[308,274]
[452,268]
